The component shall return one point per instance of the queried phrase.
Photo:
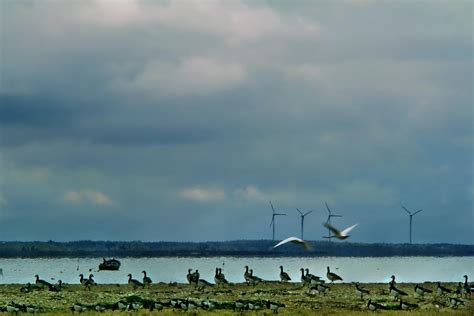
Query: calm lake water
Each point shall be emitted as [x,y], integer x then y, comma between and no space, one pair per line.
[377,270]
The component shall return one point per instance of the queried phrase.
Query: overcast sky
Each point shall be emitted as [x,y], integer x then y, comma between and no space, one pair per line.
[180,120]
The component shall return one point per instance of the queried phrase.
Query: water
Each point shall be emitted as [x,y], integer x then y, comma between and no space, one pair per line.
[351,269]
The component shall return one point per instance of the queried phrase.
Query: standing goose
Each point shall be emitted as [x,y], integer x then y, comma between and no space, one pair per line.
[86,282]
[332,276]
[396,293]
[360,291]
[284,277]
[41,283]
[216,277]
[247,276]
[221,277]
[195,276]
[441,290]
[146,279]
[467,289]
[459,290]
[254,279]
[133,282]
[421,291]
[91,279]
[304,279]
[392,282]
[313,278]
[189,276]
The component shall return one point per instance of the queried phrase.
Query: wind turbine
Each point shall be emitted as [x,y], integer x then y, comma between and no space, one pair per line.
[302,220]
[328,221]
[411,217]
[272,223]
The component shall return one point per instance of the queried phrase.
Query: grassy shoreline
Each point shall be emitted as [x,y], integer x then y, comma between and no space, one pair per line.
[298,300]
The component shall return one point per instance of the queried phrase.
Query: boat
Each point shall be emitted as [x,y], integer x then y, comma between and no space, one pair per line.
[110,264]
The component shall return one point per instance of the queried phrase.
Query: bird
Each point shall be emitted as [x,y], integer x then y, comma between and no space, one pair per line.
[396,293]
[284,277]
[332,276]
[91,279]
[421,291]
[407,306]
[337,233]
[86,282]
[455,302]
[133,282]
[313,278]
[467,289]
[41,283]
[459,290]
[146,279]
[304,279]
[294,240]
[56,287]
[254,279]
[195,276]
[373,306]
[219,278]
[222,277]
[360,291]
[441,290]
[189,276]
[247,276]
[202,283]
[392,282]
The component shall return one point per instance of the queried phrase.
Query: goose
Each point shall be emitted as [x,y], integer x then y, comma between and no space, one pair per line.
[86,282]
[337,233]
[56,287]
[332,276]
[203,283]
[467,289]
[360,291]
[146,279]
[419,290]
[459,290]
[219,277]
[320,288]
[407,306]
[133,282]
[392,282]
[247,276]
[189,276]
[27,288]
[254,279]
[41,283]
[294,240]
[313,278]
[441,290]
[373,306]
[284,277]
[304,279]
[274,306]
[91,279]
[196,276]
[454,302]
[396,293]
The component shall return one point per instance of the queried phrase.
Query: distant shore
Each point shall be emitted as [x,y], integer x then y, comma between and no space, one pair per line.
[237,248]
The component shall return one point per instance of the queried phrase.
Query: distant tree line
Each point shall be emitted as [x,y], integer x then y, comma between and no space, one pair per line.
[243,248]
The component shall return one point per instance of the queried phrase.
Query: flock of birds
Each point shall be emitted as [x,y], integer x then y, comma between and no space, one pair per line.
[310,281]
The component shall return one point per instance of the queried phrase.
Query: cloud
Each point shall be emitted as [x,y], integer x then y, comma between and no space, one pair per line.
[203,194]
[195,75]
[88,196]
[253,193]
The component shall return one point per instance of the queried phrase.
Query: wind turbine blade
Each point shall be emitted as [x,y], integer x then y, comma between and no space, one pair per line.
[307,213]
[272,221]
[335,215]
[272,206]
[299,212]
[329,211]
[280,214]
[348,229]
[406,209]
[417,212]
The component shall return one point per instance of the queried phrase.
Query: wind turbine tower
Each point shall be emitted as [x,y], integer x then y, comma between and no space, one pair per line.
[411,217]
[302,220]
[272,223]
[330,214]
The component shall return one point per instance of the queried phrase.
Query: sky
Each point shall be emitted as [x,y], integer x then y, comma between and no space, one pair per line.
[181,120]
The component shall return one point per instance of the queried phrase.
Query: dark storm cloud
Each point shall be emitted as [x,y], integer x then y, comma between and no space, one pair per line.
[159,117]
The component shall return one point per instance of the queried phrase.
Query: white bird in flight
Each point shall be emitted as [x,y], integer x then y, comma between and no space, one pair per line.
[294,240]
[337,233]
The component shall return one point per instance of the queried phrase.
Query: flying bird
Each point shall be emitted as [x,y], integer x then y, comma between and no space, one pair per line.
[294,240]
[337,233]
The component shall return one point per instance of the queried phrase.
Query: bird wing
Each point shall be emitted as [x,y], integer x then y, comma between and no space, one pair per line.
[294,240]
[332,228]
[348,229]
